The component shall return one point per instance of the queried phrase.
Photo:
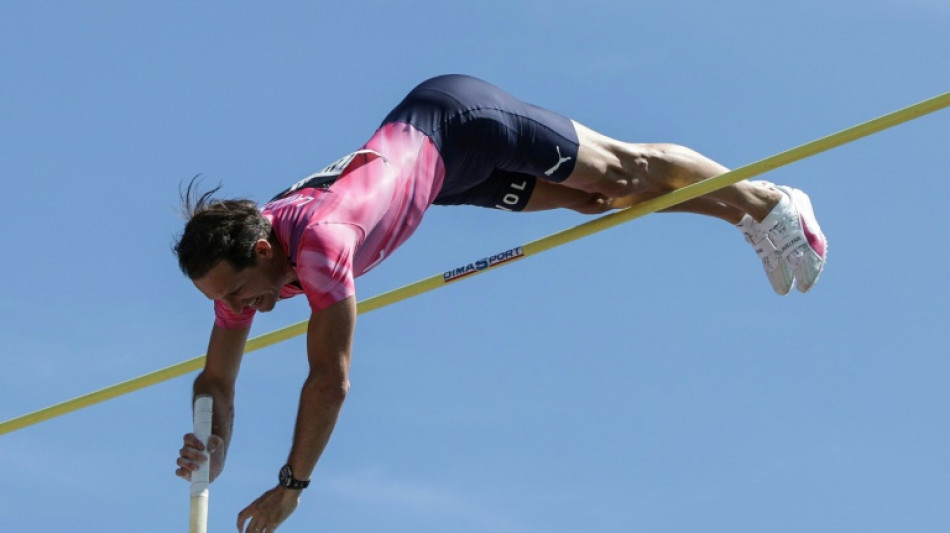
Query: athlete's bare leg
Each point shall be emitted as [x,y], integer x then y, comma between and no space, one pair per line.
[548,195]
[627,173]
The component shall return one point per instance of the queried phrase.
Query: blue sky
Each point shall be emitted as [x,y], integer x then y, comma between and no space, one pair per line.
[643,379]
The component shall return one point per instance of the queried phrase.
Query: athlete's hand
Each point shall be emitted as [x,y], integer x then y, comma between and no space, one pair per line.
[268,511]
[193,453]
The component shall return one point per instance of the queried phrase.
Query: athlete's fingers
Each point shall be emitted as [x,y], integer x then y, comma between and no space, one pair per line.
[214,442]
[192,441]
[186,464]
[243,516]
[183,473]
[192,454]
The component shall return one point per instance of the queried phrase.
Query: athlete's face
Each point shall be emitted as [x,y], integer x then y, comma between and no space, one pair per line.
[257,286]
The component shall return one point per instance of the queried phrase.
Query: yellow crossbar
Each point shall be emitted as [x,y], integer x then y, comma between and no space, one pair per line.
[667,200]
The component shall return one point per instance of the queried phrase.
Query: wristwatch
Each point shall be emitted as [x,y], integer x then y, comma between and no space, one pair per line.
[287,480]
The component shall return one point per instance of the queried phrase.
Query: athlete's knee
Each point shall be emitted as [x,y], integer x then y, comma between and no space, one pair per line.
[636,169]
[609,171]
[594,204]
[616,169]
[656,166]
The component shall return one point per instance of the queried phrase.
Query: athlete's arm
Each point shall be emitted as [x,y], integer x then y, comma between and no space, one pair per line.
[329,342]
[549,195]
[223,361]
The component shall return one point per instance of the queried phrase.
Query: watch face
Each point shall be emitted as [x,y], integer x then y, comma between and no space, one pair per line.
[287,480]
[286,475]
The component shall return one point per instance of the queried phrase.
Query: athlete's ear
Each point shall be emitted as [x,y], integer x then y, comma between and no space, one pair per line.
[263,248]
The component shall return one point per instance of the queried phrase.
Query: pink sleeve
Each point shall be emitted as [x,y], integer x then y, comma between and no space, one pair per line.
[227,319]
[325,264]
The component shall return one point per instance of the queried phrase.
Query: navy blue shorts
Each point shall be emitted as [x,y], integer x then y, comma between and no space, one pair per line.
[493,145]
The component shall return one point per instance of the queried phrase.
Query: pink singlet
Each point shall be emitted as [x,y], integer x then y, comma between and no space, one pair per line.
[335,235]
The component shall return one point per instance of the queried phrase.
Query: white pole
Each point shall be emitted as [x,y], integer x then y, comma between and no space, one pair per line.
[200,478]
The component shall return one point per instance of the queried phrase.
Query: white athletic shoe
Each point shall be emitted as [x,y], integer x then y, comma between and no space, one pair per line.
[779,273]
[793,230]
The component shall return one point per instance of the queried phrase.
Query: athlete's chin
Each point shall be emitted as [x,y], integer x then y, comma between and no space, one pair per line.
[264,303]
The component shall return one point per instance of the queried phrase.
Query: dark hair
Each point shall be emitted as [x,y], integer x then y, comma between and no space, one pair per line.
[217,230]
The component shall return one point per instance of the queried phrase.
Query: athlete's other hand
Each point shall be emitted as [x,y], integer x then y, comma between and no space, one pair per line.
[192,454]
[268,511]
